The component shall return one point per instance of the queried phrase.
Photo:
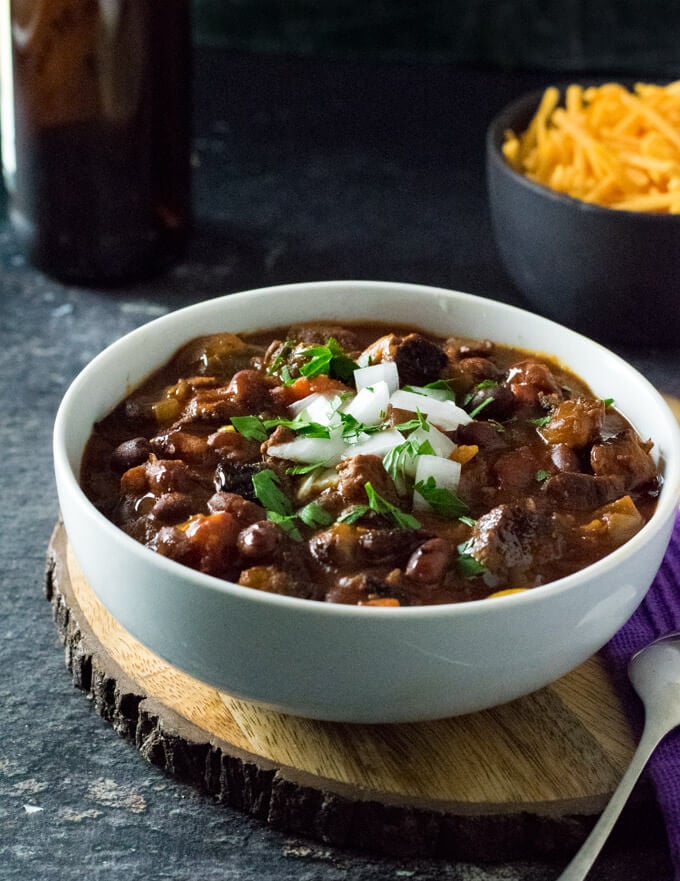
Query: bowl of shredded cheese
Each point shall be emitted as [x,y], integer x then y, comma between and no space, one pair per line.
[584,189]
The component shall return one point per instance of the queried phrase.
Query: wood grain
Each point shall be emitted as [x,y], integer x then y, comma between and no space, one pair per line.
[525,778]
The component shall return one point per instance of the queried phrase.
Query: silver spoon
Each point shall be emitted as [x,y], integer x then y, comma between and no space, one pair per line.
[655,674]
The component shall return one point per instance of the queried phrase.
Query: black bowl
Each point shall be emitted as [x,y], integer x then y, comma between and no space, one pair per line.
[613,275]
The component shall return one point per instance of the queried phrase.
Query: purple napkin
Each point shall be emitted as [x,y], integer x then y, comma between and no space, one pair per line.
[658,614]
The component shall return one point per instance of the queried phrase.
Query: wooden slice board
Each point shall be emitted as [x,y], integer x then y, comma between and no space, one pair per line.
[524,779]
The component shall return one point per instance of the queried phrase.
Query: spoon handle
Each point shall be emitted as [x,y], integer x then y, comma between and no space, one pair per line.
[587,854]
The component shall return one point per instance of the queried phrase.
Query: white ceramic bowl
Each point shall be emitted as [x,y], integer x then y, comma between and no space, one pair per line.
[347,663]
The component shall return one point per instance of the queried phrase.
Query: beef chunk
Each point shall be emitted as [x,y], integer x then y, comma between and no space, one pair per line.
[508,538]
[581,492]
[418,360]
[575,423]
[337,546]
[389,546]
[533,384]
[244,511]
[626,455]
[160,476]
[470,371]
[179,444]
[230,445]
[250,390]
[355,473]
[208,543]
[516,470]
[208,407]
[271,579]
[319,334]
[362,589]
[463,348]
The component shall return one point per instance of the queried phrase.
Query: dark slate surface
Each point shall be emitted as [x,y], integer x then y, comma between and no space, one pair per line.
[304,170]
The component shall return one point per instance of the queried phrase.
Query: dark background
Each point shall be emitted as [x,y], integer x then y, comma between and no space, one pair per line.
[635,36]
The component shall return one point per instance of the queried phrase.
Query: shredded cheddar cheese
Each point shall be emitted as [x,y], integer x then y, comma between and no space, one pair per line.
[605,145]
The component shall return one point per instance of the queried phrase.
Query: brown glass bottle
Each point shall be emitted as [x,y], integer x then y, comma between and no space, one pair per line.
[96,134]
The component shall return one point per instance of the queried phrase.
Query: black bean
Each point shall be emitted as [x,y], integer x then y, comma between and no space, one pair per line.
[496,402]
[172,507]
[428,564]
[259,540]
[130,454]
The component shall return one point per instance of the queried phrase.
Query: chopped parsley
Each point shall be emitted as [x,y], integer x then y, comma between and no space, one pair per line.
[397,461]
[441,388]
[485,383]
[540,421]
[287,523]
[352,428]
[279,366]
[266,484]
[280,509]
[468,566]
[304,469]
[478,409]
[257,428]
[250,427]
[299,424]
[443,501]
[542,475]
[315,515]
[330,359]
[380,505]
[420,421]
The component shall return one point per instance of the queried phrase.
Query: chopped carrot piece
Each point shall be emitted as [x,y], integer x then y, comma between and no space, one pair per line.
[507,592]
[464,453]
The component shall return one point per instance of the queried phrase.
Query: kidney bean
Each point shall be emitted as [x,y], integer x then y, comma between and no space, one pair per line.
[259,540]
[428,564]
[564,458]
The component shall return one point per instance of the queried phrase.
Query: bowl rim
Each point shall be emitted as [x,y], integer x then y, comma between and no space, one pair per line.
[525,104]
[68,481]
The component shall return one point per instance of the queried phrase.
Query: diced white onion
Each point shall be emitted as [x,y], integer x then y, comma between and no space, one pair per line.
[377,444]
[386,371]
[310,449]
[316,482]
[322,409]
[370,405]
[298,406]
[439,394]
[440,443]
[446,475]
[444,414]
